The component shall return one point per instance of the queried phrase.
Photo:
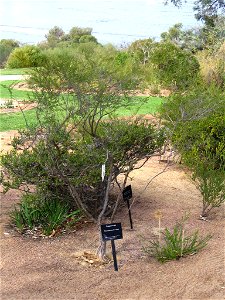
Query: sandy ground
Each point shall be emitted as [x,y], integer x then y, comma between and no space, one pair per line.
[48,268]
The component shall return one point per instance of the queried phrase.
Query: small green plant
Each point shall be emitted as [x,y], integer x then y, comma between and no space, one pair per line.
[47,215]
[175,244]
[9,103]
[55,214]
[26,215]
[154,89]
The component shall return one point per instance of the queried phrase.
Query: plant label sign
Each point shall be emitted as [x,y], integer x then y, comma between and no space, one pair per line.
[127,195]
[111,232]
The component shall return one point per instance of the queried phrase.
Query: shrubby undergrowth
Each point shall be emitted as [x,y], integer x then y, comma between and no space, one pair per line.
[78,135]
[175,243]
[43,215]
[195,123]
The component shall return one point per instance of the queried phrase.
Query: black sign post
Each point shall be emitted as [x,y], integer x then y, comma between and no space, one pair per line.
[111,232]
[114,255]
[127,195]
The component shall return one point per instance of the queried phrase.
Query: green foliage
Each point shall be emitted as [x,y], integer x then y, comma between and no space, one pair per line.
[198,102]
[175,244]
[56,37]
[206,10]
[141,50]
[63,156]
[212,66]
[87,39]
[174,67]
[78,31]
[211,184]
[202,142]
[6,47]
[206,157]
[174,34]
[196,122]
[191,39]
[197,38]
[46,215]
[209,10]
[25,57]
[80,157]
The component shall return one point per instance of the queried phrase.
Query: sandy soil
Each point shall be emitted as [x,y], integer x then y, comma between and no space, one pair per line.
[49,268]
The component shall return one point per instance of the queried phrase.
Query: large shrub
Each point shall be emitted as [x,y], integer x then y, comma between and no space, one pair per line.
[195,122]
[25,57]
[78,95]
[212,66]
[174,67]
[202,145]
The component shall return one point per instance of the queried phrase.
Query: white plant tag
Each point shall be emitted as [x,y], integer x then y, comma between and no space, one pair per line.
[103,172]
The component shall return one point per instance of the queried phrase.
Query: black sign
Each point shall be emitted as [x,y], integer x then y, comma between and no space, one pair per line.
[127,193]
[111,231]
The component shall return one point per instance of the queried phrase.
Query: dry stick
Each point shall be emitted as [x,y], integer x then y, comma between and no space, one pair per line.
[182,243]
[159,230]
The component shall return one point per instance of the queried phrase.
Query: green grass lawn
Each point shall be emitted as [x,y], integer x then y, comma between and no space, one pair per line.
[16,121]
[14,71]
[8,92]
[140,106]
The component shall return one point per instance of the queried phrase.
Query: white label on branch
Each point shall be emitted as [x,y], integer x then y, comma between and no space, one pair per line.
[103,172]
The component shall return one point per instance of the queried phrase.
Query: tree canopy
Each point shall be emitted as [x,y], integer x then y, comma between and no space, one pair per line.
[205,10]
[57,37]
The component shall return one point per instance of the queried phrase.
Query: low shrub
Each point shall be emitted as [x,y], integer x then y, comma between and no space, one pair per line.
[47,215]
[211,183]
[175,244]
[25,57]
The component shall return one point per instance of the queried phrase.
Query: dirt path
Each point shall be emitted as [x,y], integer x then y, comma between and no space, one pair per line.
[48,268]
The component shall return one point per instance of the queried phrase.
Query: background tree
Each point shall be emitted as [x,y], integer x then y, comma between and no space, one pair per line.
[206,10]
[174,67]
[199,38]
[54,36]
[141,50]
[6,47]
[191,39]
